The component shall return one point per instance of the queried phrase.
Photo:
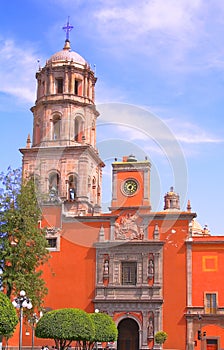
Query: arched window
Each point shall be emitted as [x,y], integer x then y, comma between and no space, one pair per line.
[56,127]
[79,129]
[76,87]
[94,182]
[59,85]
[54,184]
[72,187]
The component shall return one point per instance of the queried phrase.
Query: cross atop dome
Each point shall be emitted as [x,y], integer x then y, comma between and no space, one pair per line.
[67,29]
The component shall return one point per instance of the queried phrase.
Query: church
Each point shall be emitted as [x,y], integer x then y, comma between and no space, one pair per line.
[150,271]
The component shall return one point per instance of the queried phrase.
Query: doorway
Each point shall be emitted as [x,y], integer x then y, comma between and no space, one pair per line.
[128,335]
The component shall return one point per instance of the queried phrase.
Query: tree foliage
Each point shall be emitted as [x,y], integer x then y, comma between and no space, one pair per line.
[64,326]
[160,337]
[67,325]
[23,244]
[8,318]
[105,327]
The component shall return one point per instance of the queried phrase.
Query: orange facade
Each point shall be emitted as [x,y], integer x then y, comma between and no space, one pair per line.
[150,271]
[207,297]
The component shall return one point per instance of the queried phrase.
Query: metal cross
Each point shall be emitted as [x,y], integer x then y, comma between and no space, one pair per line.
[67,29]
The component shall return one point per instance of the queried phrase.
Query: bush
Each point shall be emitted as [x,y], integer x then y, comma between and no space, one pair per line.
[105,327]
[8,316]
[64,326]
[160,337]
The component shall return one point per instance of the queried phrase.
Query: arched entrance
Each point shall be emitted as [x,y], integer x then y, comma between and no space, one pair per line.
[128,335]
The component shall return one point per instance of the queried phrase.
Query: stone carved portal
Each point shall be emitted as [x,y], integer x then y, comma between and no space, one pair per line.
[128,227]
[128,335]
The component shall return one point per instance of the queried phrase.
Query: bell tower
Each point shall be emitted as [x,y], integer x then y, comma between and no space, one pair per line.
[63,155]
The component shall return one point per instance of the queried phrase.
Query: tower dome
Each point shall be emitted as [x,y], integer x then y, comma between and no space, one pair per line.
[67,55]
[68,74]
[171,200]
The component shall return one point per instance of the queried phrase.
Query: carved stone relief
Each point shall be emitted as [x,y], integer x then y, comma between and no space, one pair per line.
[128,228]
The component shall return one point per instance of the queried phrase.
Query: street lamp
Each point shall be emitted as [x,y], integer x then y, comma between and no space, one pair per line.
[21,302]
[96,343]
[33,321]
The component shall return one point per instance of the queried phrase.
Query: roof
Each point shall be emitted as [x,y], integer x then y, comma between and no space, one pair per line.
[66,54]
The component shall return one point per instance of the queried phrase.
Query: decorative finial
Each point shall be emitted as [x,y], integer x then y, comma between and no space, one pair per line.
[67,29]
[28,141]
[188,206]
[156,232]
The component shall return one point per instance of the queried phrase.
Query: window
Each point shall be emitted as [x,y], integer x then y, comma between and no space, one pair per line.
[56,127]
[210,303]
[76,87]
[212,344]
[52,242]
[53,239]
[53,185]
[72,187]
[129,273]
[59,86]
[94,182]
[78,128]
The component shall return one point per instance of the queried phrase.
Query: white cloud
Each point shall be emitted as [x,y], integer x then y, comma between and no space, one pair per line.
[178,34]
[145,16]
[17,70]
[174,20]
[191,133]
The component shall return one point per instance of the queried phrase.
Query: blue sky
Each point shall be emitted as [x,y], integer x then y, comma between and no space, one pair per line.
[159,62]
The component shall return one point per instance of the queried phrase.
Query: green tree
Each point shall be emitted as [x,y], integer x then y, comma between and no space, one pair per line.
[105,328]
[64,326]
[8,318]
[23,244]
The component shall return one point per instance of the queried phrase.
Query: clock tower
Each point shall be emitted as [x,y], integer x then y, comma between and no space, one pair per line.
[131,184]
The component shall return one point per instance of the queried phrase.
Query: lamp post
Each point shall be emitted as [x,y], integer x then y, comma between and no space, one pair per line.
[33,321]
[21,302]
[96,343]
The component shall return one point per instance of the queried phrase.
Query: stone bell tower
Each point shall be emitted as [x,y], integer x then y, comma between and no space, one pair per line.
[63,155]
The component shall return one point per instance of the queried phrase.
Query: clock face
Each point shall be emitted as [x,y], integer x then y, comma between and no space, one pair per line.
[130,187]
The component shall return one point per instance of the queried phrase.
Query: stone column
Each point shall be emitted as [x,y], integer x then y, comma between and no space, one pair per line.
[146,185]
[112,231]
[157,269]
[144,329]
[63,179]
[190,335]
[72,82]
[145,268]
[111,269]
[157,321]
[85,86]
[99,268]
[51,83]
[114,184]
[83,181]
[66,81]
